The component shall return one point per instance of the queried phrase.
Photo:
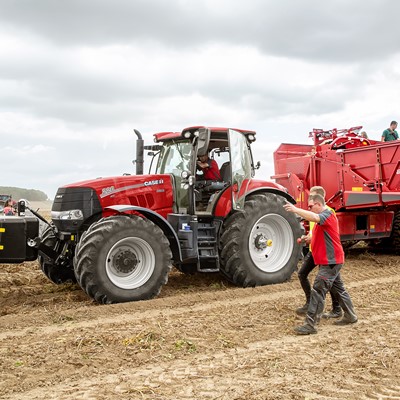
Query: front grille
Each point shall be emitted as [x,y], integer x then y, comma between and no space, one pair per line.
[84,199]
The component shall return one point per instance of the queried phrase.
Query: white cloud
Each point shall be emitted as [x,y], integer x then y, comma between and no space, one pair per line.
[77,77]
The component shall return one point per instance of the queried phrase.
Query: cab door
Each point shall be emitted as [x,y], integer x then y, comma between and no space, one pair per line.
[241,167]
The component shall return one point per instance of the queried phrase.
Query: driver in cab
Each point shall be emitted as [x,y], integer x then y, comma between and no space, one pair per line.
[209,167]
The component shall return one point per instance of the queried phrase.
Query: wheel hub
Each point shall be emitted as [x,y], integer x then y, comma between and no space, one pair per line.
[125,262]
[130,262]
[261,242]
[270,243]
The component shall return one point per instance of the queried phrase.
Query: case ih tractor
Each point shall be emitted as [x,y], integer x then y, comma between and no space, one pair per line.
[119,236]
[361,178]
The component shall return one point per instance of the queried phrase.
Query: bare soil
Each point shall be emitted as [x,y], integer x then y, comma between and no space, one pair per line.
[200,339]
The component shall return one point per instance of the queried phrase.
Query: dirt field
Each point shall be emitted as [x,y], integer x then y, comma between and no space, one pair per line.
[201,339]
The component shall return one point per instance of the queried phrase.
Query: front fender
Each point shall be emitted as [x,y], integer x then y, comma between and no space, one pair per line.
[158,220]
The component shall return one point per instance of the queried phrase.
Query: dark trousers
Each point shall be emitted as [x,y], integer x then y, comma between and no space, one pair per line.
[328,279]
[306,267]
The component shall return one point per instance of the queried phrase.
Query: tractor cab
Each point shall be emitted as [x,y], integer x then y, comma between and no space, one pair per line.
[179,155]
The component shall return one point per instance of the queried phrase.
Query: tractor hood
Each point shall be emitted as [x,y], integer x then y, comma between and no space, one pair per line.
[121,187]
[93,196]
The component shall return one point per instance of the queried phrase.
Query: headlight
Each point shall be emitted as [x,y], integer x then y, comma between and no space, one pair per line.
[185,174]
[70,214]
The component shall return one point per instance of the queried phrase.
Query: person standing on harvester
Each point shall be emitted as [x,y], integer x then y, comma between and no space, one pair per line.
[390,133]
[329,255]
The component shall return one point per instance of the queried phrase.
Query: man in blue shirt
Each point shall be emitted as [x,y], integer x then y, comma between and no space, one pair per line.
[390,133]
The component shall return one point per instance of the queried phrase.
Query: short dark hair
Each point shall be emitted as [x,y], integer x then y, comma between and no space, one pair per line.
[393,123]
[318,190]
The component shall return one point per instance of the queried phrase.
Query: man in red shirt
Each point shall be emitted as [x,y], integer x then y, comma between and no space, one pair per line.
[329,255]
[308,265]
[209,167]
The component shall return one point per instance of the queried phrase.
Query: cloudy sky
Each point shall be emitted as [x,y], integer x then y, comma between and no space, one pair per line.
[77,76]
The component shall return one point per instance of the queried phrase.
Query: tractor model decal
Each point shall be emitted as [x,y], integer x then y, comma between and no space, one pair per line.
[110,190]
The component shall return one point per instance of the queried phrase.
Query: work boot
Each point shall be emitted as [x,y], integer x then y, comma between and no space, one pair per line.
[347,320]
[335,313]
[305,329]
[302,310]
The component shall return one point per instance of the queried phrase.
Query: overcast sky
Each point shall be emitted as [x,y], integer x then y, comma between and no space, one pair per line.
[77,76]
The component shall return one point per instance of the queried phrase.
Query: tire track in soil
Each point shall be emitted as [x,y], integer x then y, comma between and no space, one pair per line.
[206,303]
[208,376]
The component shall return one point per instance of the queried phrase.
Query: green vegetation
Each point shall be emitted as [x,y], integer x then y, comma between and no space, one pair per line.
[28,194]
[184,344]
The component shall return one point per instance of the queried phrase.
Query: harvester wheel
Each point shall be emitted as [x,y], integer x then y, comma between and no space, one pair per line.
[58,272]
[122,258]
[389,245]
[395,237]
[258,246]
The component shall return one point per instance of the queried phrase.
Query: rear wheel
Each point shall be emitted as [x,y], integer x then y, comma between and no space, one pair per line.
[60,270]
[123,258]
[394,241]
[389,245]
[258,246]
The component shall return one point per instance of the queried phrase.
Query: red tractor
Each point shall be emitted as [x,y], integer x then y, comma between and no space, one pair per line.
[361,178]
[119,236]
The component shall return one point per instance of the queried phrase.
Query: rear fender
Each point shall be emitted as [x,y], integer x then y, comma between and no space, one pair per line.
[224,203]
[158,220]
[278,192]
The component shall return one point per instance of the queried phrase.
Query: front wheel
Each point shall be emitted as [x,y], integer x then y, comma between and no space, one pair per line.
[122,258]
[258,246]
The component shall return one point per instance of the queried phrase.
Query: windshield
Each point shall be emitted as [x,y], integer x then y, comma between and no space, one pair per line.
[174,158]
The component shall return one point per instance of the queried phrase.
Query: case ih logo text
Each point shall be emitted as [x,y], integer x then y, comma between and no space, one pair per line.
[155,182]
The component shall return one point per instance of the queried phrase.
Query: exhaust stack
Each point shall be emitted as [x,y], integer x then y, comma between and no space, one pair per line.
[139,153]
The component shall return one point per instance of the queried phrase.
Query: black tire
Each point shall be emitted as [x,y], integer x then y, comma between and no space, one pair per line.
[58,272]
[122,258]
[389,245]
[258,246]
[394,240]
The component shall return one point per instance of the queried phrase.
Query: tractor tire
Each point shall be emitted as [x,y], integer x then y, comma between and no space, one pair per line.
[60,271]
[395,236]
[122,258]
[258,246]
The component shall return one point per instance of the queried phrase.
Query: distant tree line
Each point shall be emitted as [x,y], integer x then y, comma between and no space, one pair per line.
[28,194]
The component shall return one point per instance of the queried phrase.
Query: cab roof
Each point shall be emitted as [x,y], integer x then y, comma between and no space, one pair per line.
[165,136]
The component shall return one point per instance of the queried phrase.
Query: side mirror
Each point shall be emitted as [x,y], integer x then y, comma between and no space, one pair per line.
[258,165]
[203,141]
